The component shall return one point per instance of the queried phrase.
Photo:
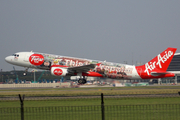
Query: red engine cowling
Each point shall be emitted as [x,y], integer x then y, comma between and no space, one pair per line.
[57,71]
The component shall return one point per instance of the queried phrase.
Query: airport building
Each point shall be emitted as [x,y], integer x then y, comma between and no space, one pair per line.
[174,66]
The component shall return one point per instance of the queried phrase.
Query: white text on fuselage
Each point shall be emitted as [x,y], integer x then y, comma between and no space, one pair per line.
[36,59]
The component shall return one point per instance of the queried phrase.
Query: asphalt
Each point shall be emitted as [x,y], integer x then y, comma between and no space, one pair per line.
[89,97]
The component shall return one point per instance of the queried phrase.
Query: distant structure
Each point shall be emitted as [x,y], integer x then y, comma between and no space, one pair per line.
[175,63]
[174,66]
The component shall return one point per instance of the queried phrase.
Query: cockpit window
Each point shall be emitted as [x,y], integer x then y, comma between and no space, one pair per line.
[16,55]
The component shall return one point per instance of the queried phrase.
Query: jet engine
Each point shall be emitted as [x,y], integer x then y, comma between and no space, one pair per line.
[58,71]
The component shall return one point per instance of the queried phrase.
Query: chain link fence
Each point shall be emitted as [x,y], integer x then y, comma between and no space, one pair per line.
[93,112]
[111,112]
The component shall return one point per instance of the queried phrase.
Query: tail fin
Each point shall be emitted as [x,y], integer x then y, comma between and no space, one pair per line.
[159,64]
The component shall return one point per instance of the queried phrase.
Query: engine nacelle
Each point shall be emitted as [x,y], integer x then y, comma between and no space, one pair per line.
[58,71]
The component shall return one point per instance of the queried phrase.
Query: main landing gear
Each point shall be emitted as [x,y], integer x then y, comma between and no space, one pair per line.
[82,81]
[25,73]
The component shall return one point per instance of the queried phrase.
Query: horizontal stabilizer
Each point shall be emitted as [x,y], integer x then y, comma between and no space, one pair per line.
[158,73]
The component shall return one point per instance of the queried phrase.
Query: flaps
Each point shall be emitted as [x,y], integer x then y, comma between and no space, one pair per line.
[84,68]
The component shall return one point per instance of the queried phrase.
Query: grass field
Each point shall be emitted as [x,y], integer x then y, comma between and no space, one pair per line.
[139,108]
[116,112]
[92,91]
[84,102]
[90,109]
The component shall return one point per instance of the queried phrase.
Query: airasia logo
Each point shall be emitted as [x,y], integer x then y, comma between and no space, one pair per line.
[36,59]
[58,72]
[160,60]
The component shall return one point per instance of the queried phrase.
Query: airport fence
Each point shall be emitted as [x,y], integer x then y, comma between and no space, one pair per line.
[111,112]
[92,112]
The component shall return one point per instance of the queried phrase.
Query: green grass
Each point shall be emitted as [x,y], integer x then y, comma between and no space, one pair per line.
[92,91]
[95,88]
[139,108]
[93,112]
[94,101]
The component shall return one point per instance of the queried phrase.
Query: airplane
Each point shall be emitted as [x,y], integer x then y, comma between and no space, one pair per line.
[70,66]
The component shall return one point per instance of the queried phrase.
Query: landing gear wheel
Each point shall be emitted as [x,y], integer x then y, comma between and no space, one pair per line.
[82,81]
[25,73]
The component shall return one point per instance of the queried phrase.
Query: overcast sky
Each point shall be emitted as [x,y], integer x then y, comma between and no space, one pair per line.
[111,30]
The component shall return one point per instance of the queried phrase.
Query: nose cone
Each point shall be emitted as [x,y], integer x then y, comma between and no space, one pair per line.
[8,59]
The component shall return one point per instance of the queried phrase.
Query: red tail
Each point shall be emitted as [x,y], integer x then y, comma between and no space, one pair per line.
[157,65]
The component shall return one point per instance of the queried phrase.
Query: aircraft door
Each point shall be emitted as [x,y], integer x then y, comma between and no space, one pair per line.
[26,57]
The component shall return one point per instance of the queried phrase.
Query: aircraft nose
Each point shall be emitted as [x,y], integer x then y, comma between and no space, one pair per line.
[8,59]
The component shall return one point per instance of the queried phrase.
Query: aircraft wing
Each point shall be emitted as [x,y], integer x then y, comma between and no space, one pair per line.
[80,69]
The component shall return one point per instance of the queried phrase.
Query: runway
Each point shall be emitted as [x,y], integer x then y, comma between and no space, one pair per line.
[12,98]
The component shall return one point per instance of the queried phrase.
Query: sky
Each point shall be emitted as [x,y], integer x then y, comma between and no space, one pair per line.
[111,30]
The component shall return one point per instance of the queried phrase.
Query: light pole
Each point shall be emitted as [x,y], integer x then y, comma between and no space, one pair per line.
[2,78]
[1,75]
[7,77]
[34,75]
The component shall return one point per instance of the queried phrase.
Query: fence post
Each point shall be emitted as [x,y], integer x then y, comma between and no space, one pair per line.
[102,106]
[22,106]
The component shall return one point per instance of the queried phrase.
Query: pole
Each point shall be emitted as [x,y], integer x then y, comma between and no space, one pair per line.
[175,80]
[1,75]
[34,76]
[22,106]
[102,106]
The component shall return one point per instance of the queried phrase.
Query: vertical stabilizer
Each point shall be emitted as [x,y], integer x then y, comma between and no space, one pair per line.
[159,65]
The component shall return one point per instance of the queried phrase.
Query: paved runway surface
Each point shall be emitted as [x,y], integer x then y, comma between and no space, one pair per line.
[87,97]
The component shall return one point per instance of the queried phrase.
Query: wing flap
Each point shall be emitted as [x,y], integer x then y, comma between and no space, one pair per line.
[84,68]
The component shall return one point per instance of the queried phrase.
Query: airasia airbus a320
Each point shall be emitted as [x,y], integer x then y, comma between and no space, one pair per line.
[71,66]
